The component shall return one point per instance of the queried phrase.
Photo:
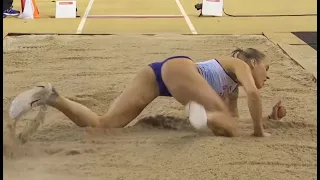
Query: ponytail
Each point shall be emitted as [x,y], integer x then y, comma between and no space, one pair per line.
[248,54]
[237,52]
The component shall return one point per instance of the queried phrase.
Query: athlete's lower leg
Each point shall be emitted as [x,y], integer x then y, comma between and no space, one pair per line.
[122,111]
[76,112]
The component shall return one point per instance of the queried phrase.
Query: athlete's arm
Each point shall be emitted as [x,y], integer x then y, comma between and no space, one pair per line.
[232,103]
[244,76]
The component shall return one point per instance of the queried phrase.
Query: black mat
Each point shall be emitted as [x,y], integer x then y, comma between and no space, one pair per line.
[308,37]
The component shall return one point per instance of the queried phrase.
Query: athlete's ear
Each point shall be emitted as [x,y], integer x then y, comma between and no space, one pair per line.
[253,63]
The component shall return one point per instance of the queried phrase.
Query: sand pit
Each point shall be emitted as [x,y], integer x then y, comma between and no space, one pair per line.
[94,70]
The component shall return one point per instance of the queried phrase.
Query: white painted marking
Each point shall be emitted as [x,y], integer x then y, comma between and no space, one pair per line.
[84,17]
[142,16]
[188,21]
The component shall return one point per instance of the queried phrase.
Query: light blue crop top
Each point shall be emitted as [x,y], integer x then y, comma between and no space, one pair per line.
[217,77]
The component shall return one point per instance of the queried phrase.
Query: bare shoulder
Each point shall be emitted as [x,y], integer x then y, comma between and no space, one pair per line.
[230,63]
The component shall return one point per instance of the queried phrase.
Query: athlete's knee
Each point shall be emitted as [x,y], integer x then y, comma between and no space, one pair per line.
[222,123]
[102,122]
[95,123]
[108,122]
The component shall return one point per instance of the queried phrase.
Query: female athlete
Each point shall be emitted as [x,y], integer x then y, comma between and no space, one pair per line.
[212,84]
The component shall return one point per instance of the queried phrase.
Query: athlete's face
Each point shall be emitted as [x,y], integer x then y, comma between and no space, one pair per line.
[259,71]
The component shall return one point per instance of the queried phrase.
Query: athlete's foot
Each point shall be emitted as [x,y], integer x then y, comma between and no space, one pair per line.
[40,95]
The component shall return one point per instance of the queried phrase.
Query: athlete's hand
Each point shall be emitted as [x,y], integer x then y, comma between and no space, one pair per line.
[278,111]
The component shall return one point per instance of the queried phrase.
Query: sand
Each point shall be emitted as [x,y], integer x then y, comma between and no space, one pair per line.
[93,70]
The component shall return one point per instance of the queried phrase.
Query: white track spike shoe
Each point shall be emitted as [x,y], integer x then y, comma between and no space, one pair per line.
[197,116]
[29,99]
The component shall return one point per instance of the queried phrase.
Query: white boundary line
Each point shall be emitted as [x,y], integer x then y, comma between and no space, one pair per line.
[84,17]
[188,21]
[138,15]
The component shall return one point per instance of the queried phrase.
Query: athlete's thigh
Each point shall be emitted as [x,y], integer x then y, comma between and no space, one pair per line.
[186,84]
[135,97]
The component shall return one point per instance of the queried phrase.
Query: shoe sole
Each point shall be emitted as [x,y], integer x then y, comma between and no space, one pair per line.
[197,116]
[7,14]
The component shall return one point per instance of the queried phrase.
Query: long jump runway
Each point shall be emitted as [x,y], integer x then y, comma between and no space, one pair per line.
[95,69]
